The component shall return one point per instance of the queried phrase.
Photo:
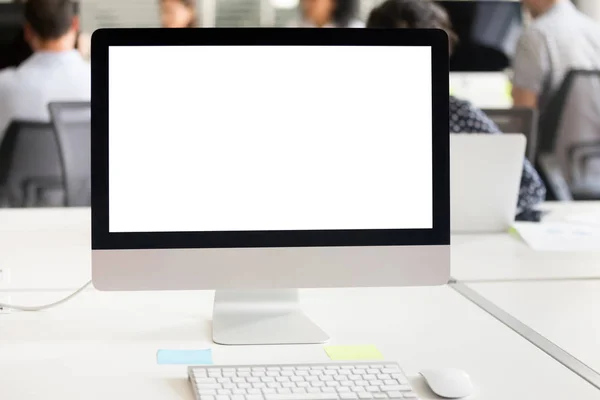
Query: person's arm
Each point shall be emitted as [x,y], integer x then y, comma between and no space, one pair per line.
[530,69]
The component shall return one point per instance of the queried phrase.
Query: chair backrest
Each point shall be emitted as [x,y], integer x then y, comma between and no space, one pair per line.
[72,124]
[518,120]
[30,172]
[571,120]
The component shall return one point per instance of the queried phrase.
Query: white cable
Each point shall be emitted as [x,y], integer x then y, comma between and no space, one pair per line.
[45,306]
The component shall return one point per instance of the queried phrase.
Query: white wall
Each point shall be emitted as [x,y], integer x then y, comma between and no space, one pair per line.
[590,7]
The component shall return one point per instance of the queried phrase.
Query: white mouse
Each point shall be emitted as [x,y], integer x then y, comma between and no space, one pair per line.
[449,383]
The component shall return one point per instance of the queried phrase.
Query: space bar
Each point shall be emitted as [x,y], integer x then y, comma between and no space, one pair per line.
[302,396]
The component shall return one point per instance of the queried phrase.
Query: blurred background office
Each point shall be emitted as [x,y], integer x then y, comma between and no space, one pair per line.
[556,105]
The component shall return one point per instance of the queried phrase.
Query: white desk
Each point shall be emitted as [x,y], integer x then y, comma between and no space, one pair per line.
[565,312]
[503,257]
[50,249]
[102,345]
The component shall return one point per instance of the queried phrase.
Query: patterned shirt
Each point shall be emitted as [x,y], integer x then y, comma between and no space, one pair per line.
[464,118]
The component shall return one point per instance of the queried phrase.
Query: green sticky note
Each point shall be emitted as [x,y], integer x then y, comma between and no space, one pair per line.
[353,353]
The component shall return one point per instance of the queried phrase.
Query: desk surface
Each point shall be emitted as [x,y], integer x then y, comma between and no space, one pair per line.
[50,249]
[565,312]
[498,257]
[103,345]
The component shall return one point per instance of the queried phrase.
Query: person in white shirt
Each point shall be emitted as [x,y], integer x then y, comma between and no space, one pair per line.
[55,72]
[328,14]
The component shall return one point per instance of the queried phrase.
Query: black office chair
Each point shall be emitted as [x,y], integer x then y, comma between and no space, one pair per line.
[30,173]
[569,134]
[72,125]
[517,120]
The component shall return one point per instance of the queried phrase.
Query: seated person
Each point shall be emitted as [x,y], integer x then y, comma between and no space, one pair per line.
[55,72]
[19,50]
[328,14]
[178,14]
[464,118]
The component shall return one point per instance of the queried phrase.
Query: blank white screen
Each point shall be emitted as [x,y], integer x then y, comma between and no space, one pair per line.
[269,138]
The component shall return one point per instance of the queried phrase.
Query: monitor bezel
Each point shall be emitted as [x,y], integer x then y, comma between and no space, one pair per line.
[103,239]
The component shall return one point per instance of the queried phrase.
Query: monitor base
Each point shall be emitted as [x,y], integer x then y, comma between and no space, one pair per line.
[262,317]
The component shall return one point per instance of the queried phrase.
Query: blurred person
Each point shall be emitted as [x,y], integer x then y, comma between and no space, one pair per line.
[464,117]
[328,14]
[178,14]
[558,39]
[19,50]
[55,72]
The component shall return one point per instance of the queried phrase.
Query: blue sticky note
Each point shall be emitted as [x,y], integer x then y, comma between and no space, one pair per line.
[186,357]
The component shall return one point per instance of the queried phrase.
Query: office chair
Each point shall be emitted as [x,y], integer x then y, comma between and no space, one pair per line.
[72,125]
[518,120]
[569,138]
[30,173]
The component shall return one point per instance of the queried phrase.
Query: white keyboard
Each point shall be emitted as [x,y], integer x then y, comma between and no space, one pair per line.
[331,381]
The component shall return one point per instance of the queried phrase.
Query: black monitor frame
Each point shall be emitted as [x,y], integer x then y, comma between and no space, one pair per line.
[102,39]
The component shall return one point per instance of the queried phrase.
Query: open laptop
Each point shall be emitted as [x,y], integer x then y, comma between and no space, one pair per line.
[485,176]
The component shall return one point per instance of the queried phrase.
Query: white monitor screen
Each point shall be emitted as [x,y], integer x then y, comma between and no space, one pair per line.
[263,138]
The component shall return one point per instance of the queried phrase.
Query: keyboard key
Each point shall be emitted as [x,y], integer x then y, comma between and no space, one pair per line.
[395,395]
[244,385]
[328,390]
[345,372]
[389,370]
[332,384]
[252,379]
[372,389]
[301,373]
[380,395]
[238,391]
[273,368]
[313,390]
[342,389]
[258,374]
[307,396]
[269,391]
[378,366]
[303,368]
[274,385]
[237,397]
[311,378]
[303,384]
[333,367]
[362,383]
[223,397]
[238,380]
[258,385]
[348,396]
[255,397]
[228,374]
[204,392]
[215,375]
[317,384]
[289,368]
[296,379]
[331,372]
[273,373]
[208,386]
[365,395]
[315,372]
[318,367]
[282,379]
[355,377]
[224,391]
[358,389]
[287,373]
[207,397]
[372,371]
[243,373]
[369,377]
[375,383]
[400,378]
[395,388]
[359,371]
[254,391]
[326,378]
[205,381]
[298,390]
[288,384]
[229,386]
[347,383]
[391,382]
[224,380]
[259,369]
[383,377]
[284,391]
[243,369]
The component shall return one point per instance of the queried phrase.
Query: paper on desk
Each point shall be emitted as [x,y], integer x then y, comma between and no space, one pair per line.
[585,218]
[559,236]
[353,353]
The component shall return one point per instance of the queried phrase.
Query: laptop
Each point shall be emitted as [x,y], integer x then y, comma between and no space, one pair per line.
[485,177]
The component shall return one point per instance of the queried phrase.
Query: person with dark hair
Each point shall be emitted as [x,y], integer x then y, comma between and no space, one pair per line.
[178,14]
[328,14]
[19,50]
[55,72]
[464,117]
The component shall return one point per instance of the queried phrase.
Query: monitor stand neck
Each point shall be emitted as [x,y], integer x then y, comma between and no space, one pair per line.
[262,317]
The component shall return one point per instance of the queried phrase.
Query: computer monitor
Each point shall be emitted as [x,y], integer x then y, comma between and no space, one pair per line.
[259,161]
[487,32]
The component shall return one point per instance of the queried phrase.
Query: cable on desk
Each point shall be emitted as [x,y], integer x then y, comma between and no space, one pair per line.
[45,306]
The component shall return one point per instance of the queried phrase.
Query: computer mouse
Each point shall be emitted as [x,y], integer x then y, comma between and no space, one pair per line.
[449,383]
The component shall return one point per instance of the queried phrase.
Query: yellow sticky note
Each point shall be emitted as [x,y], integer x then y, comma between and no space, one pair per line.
[353,353]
